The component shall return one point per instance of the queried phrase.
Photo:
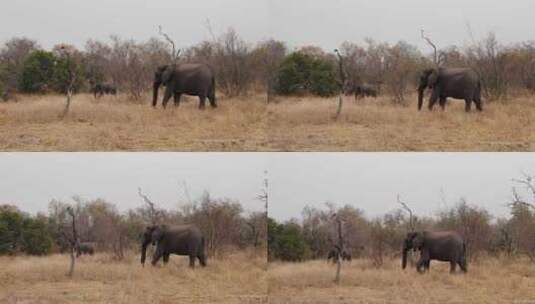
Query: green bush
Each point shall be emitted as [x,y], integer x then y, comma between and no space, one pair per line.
[302,72]
[37,72]
[286,242]
[21,233]
[62,74]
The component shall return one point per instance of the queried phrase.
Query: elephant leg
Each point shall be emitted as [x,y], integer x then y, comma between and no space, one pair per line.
[453,266]
[192,261]
[177,99]
[468,106]
[202,259]
[202,102]
[212,100]
[166,258]
[168,93]
[157,255]
[462,264]
[433,100]
[442,103]
[479,105]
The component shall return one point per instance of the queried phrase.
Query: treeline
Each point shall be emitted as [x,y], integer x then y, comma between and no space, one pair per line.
[223,222]
[382,237]
[269,66]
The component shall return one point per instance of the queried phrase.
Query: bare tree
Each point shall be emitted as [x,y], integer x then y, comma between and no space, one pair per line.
[339,247]
[342,75]
[72,240]
[71,77]
[409,211]
[153,213]
[175,55]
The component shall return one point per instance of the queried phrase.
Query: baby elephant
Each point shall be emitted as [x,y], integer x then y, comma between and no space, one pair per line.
[333,254]
[361,91]
[85,248]
[103,89]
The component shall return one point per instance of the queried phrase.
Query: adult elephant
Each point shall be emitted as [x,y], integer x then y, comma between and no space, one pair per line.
[179,240]
[445,246]
[188,78]
[85,248]
[457,83]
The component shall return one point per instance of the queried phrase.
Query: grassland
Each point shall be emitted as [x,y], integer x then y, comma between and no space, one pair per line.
[247,124]
[490,280]
[237,278]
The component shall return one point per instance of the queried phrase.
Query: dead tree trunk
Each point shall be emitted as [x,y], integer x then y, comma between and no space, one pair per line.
[73,242]
[342,83]
[71,81]
[339,248]
[410,228]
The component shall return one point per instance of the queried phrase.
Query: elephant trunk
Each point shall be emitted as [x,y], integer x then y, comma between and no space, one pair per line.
[420,97]
[156,87]
[144,251]
[404,257]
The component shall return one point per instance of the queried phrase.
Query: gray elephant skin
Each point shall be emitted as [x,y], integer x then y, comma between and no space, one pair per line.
[457,83]
[445,246]
[361,91]
[85,248]
[103,89]
[188,78]
[184,240]
[333,254]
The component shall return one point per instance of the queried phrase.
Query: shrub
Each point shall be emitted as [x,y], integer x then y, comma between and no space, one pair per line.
[302,72]
[37,72]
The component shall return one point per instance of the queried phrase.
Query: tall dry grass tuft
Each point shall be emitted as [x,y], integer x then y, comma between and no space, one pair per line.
[240,277]
[490,280]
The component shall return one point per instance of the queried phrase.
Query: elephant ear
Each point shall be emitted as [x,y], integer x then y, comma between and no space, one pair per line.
[432,79]
[168,74]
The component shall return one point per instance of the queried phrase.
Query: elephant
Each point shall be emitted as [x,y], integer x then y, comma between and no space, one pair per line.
[188,78]
[85,248]
[361,91]
[445,246]
[102,88]
[333,254]
[180,240]
[457,83]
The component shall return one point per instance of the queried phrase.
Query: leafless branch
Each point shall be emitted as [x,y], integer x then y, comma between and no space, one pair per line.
[176,53]
[409,210]
[151,205]
[430,42]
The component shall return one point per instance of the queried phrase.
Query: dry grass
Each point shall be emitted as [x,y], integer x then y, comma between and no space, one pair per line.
[488,281]
[113,123]
[246,124]
[306,124]
[238,278]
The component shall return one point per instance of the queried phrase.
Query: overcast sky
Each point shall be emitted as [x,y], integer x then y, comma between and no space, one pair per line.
[31,180]
[372,181]
[369,181]
[326,23]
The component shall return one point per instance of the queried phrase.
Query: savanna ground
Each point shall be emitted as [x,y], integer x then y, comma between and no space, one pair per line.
[489,280]
[247,124]
[240,277]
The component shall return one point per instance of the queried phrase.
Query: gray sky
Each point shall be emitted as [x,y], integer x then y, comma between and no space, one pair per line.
[321,22]
[31,180]
[371,181]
